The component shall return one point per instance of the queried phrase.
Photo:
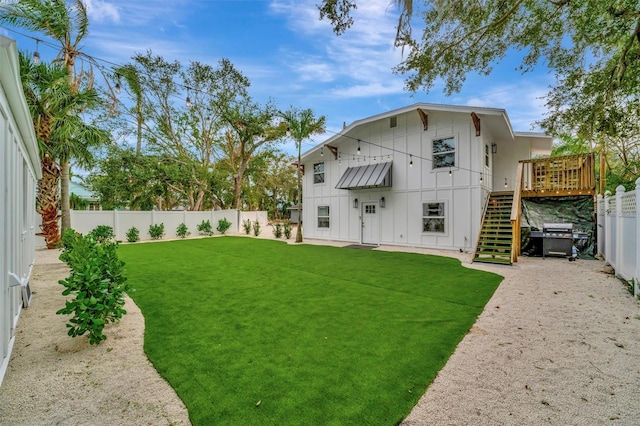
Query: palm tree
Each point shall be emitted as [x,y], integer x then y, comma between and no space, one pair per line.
[68,24]
[55,107]
[301,124]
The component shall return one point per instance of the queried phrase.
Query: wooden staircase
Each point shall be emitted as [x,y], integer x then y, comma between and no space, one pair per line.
[496,236]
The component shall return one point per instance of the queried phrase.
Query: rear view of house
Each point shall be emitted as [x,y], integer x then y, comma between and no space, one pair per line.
[415,176]
[19,171]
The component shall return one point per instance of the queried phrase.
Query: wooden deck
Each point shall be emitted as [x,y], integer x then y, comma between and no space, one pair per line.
[559,176]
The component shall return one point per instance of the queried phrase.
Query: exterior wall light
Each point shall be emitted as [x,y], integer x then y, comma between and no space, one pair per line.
[382,203]
[355,203]
[494,148]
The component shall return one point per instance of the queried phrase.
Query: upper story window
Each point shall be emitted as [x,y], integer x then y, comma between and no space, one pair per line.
[318,173]
[393,121]
[444,152]
[486,155]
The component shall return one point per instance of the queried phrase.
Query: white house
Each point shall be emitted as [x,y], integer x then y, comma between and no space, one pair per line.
[19,171]
[416,176]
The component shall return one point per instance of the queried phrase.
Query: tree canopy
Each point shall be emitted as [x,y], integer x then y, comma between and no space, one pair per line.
[592,46]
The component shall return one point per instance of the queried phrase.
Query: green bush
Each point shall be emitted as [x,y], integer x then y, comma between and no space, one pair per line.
[182,231]
[223,225]
[102,233]
[205,228]
[277,230]
[287,230]
[247,226]
[96,282]
[133,235]
[156,231]
[256,228]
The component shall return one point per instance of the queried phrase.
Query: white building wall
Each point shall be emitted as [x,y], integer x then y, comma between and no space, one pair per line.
[19,169]
[401,219]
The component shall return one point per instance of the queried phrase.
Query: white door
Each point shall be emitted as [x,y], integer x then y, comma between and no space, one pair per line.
[370,224]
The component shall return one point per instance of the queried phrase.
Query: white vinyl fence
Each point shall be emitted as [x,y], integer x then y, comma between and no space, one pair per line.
[619,232]
[84,221]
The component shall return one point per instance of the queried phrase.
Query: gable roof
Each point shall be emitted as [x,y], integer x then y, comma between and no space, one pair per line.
[494,118]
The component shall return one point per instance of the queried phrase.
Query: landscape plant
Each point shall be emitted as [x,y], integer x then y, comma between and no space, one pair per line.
[103,233]
[287,230]
[133,234]
[256,228]
[277,230]
[205,228]
[156,231]
[182,231]
[246,225]
[354,341]
[223,225]
[96,282]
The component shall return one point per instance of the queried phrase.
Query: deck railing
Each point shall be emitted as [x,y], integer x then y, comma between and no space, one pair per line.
[553,176]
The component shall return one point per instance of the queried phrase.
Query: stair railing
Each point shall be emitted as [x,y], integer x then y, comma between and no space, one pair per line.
[484,213]
[516,211]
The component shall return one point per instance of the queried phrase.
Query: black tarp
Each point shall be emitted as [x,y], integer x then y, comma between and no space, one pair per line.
[578,210]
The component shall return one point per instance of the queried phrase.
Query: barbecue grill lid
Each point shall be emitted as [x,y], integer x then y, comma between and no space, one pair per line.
[557,226]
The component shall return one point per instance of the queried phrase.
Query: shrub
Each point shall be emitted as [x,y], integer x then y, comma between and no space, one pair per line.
[223,225]
[182,231]
[102,233]
[156,231]
[97,283]
[133,234]
[287,230]
[205,228]
[277,230]
[247,226]
[256,228]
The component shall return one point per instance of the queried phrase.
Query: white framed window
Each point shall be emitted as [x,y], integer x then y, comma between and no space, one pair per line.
[370,209]
[323,217]
[318,173]
[444,152]
[486,155]
[434,217]
[393,121]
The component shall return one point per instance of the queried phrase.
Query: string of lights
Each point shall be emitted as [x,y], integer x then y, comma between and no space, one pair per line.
[110,70]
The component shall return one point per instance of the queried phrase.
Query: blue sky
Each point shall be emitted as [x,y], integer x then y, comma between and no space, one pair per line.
[292,57]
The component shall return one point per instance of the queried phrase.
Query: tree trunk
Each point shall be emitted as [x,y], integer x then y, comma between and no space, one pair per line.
[47,202]
[299,229]
[65,195]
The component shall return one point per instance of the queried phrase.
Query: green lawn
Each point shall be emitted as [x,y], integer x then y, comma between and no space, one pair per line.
[259,332]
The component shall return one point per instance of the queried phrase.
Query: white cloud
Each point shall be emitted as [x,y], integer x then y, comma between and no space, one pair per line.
[361,60]
[101,11]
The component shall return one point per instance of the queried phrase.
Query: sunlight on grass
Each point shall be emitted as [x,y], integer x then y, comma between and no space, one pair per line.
[252,331]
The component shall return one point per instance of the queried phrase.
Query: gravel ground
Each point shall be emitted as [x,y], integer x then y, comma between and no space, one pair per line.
[558,343]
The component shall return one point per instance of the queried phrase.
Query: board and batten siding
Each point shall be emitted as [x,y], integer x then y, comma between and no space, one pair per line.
[400,221]
[19,171]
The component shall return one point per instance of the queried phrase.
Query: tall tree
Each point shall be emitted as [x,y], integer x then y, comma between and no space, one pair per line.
[301,124]
[55,108]
[67,23]
[592,46]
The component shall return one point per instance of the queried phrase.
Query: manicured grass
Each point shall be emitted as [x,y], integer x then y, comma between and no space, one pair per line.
[258,332]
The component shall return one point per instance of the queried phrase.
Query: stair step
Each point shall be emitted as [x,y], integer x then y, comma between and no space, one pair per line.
[497,260]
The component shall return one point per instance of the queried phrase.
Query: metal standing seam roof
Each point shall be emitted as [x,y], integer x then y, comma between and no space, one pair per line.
[369,176]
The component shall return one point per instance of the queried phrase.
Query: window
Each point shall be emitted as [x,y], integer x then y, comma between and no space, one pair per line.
[486,155]
[318,173]
[323,216]
[370,209]
[444,152]
[393,122]
[433,217]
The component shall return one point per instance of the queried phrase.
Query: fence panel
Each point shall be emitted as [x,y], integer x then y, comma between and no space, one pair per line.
[619,226]
[121,221]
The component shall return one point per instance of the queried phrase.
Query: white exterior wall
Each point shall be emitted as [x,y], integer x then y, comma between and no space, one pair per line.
[19,171]
[400,222]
